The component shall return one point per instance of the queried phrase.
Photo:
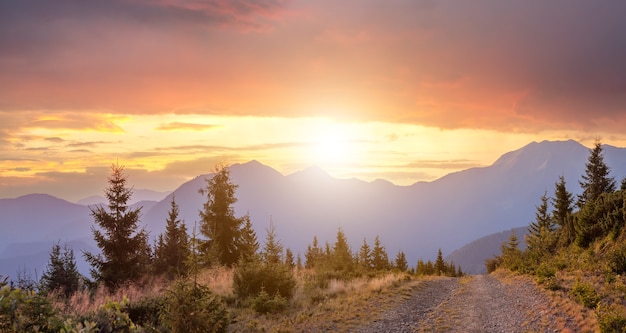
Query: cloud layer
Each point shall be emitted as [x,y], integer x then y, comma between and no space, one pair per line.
[509,66]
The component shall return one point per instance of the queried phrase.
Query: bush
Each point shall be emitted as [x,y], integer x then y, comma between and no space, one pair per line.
[617,260]
[193,308]
[111,318]
[585,294]
[544,272]
[263,303]
[252,277]
[611,319]
[146,312]
[26,311]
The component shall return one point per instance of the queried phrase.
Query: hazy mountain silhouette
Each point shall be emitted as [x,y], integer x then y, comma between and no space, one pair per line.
[418,219]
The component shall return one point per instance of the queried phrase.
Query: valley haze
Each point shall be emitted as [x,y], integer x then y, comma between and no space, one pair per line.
[419,219]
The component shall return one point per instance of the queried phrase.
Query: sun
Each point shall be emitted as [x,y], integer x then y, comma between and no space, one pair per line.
[332,146]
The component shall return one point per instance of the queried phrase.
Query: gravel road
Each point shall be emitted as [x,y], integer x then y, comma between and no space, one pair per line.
[480,303]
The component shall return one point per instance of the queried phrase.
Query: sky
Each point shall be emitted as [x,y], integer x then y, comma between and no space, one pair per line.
[402,90]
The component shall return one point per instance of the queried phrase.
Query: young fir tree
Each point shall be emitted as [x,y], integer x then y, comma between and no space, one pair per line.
[596,179]
[218,222]
[61,273]
[401,263]
[511,255]
[380,259]
[272,249]
[289,259]
[313,254]
[248,244]
[341,255]
[124,246]
[440,265]
[365,256]
[562,213]
[173,249]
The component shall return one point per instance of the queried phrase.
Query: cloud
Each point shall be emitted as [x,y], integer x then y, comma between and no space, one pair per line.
[180,126]
[512,66]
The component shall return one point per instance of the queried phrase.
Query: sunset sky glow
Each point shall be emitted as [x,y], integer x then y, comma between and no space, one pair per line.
[403,90]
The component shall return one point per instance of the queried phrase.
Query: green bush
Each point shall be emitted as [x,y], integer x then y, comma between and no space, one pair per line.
[26,311]
[611,319]
[146,312]
[112,318]
[263,303]
[617,260]
[544,272]
[191,308]
[252,277]
[585,294]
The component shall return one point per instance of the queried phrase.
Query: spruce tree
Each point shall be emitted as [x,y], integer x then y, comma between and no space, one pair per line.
[61,273]
[248,244]
[218,222]
[272,249]
[401,263]
[440,265]
[341,255]
[124,246]
[596,179]
[543,219]
[289,259]
[313,254]
[173,249]
[365,256]
[380,259]
[562,213]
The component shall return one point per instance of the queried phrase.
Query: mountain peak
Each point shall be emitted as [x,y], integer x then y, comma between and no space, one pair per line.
[312,172]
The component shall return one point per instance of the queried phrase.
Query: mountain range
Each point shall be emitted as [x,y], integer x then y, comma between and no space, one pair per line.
[447,213]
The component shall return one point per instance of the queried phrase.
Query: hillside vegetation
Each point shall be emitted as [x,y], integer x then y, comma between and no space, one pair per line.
[577,249]
[219,279]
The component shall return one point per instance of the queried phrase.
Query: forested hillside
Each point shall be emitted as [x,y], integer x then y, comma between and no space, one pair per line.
[577,244]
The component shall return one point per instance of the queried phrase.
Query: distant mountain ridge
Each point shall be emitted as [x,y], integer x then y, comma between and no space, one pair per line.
[419,219]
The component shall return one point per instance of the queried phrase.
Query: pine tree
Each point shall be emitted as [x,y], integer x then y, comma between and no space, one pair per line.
[313,254]
[380,259]
[562,213]
[596,179]
[218,222]
[61,273]
[401,263]
[542,217]
[341,255]
[511,254]
[365,256]
[289,259]
[125,251]
[173,249]
[272,249]
[248,244]
[440,265]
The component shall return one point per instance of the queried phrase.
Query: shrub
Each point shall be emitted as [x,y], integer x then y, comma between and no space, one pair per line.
[263,303]
[111,318]
[611,319]
[617,260]
[252,277]
[544,272]
[585,294]
[146,312]
[190,308]
[25,311]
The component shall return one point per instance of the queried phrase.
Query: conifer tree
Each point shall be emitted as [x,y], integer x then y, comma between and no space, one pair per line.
[440,265]
[401,263]
[61,273]
[511,254]
[313,254]
[125,251]
[248,244]
[538,237]
[289,259]
[380,259]
[420,267]
[562,213]
[365,256]
[218,222]
[341,255]
[272,249]
[596,179]
[173,249]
